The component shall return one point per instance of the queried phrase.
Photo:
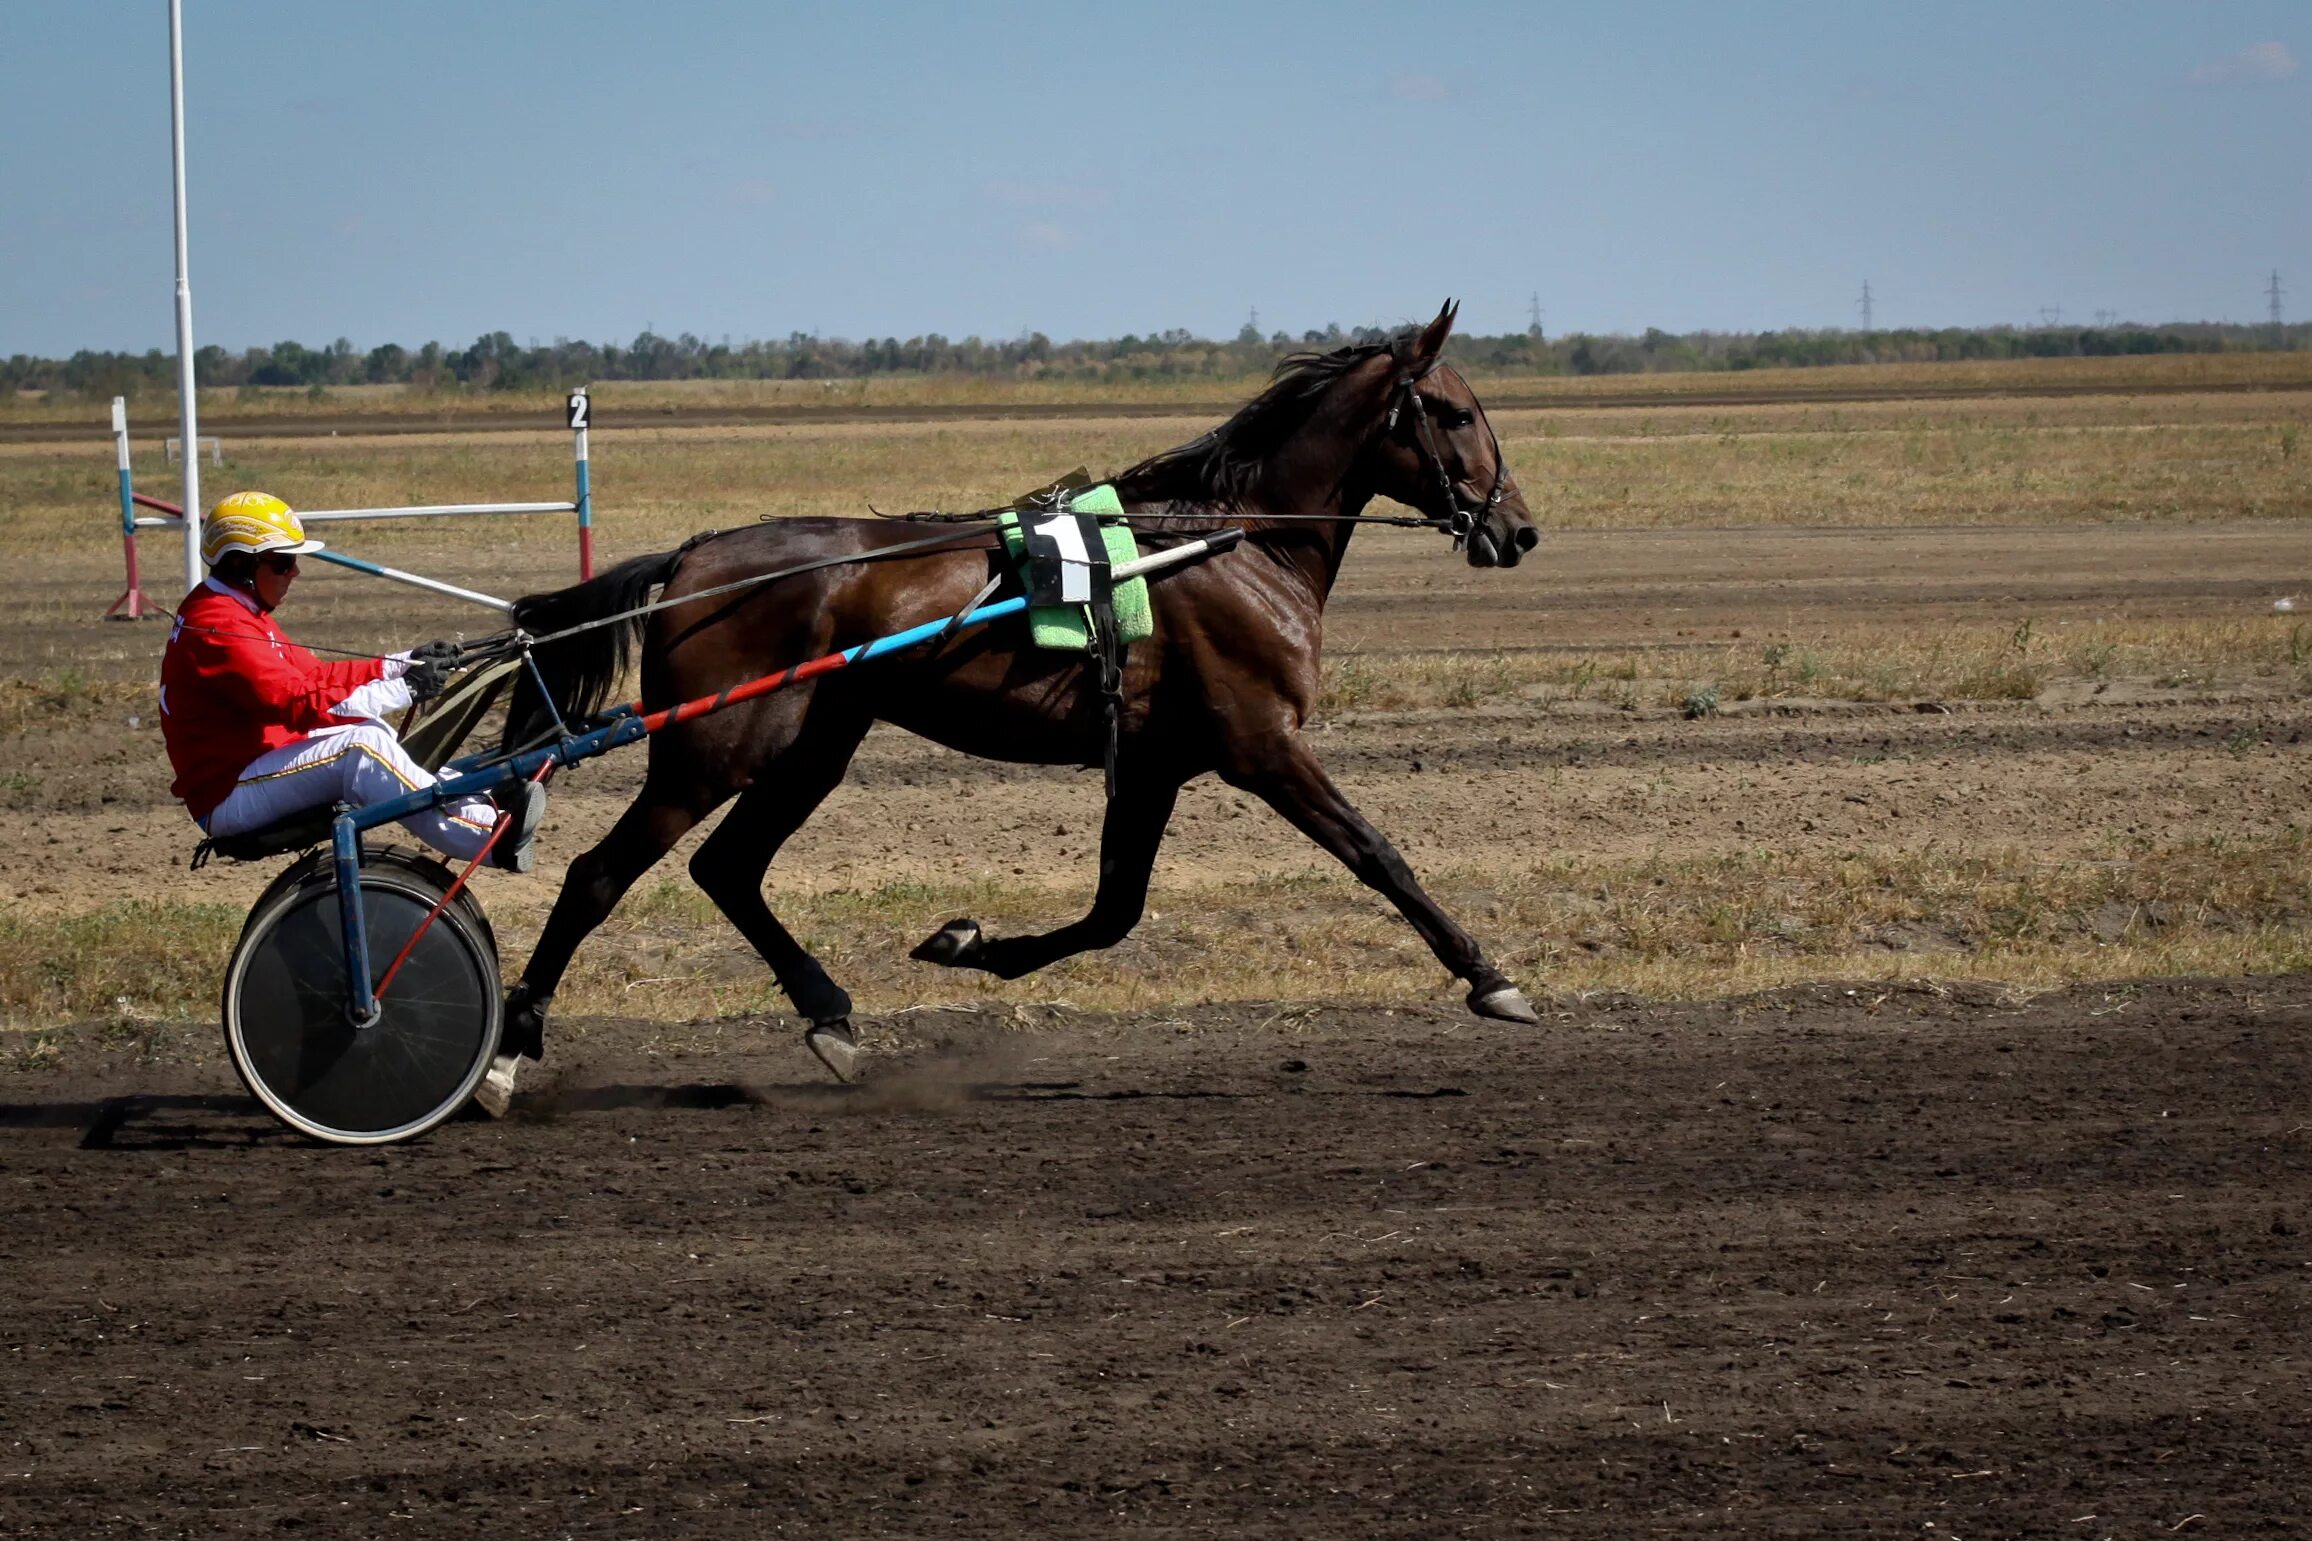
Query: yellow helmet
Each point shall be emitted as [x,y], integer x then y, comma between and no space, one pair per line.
[255,522]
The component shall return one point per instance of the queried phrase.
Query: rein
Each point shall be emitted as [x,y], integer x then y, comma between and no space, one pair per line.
[1402,521]
[931,543]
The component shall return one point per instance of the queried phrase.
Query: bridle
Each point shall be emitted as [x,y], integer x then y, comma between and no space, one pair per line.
[1459,518]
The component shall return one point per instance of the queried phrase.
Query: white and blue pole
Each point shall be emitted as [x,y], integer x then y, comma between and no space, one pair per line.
[432,585]
[581,418]
[127,488]
[132,604]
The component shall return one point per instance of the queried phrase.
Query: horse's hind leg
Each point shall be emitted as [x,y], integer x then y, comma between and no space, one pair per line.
[595,884]
[731,865]
[1284,774]
[1129,837]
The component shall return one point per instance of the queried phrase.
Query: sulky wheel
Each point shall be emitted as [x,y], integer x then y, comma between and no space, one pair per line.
[284,1004]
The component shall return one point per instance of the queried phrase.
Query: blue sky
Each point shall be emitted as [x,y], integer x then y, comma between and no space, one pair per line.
[409,170]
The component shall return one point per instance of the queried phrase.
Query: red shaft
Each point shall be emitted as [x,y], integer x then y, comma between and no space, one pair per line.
[686,710]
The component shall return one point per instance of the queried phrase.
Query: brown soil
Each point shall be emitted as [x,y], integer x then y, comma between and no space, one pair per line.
[1823,1262]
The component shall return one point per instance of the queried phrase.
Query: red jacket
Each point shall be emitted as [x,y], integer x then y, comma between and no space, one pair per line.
[233,687]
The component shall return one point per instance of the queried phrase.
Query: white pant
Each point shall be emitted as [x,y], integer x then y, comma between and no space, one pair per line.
[360,764]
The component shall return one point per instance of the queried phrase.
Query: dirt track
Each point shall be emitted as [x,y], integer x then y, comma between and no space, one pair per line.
[1818,1263]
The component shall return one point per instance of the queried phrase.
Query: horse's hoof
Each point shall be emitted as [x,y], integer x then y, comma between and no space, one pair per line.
[496,1093]
[953,945]
[836,1047]
[524,1032]
[1504,1003]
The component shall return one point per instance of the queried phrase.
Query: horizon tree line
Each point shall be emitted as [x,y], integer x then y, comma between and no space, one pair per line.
[495,362]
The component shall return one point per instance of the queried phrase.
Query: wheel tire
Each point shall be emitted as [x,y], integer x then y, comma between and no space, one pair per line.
[408,860]
[284,1004]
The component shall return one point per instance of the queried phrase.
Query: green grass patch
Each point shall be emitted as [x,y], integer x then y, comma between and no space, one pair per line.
[131,961]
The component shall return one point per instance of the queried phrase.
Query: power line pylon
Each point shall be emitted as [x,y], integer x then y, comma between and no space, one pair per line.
[1864,304]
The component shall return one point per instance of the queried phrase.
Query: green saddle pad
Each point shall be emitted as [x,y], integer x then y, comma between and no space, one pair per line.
[1068,628]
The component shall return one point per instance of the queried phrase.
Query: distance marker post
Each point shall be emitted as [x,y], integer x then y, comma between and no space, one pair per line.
[133,605]
[580,418]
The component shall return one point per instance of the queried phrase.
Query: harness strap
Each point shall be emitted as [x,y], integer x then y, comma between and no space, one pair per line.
[1108,649]
[986,592]
[905,548]
[1460,520]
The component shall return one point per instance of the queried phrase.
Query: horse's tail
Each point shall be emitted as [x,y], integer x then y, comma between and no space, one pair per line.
[582,670]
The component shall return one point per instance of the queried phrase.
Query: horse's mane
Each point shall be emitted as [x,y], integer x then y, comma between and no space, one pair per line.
[1225,465]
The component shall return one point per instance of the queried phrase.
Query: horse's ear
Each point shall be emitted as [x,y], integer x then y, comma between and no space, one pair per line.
[1431,342]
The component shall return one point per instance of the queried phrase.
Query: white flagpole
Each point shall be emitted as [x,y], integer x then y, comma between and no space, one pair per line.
[188,410]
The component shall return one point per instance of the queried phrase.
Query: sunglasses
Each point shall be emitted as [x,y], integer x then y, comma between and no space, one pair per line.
[273,562]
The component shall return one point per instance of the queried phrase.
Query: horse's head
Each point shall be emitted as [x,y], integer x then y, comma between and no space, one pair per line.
[1436,452]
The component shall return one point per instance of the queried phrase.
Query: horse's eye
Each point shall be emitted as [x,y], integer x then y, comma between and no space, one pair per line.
[1458,417]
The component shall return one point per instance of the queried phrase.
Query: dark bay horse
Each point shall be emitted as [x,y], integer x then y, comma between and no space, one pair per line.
[1224,685]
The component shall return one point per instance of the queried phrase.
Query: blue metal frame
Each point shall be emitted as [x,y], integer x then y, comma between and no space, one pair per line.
[481,773]
[345,835]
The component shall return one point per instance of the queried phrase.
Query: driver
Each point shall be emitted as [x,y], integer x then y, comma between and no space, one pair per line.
[258,728]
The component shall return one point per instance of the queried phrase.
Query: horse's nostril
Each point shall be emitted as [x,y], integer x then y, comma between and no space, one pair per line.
[1527,537]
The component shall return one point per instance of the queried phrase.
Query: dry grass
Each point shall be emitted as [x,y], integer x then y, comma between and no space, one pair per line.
[49,701]
[1664,927]
[1667,927]
[1944,661]
[618,397]
[1936,466]
[2014,461]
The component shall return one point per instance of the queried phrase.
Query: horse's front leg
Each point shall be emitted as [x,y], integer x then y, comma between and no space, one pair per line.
[595,884]
[1129,836]
[1283,773]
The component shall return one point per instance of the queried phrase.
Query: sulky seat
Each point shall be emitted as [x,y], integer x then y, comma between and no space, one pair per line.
[305,828]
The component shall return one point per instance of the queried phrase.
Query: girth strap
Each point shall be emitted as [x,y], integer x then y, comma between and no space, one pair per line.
[1108,651]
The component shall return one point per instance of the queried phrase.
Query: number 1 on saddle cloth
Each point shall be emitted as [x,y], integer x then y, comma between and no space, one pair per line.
[1068,565]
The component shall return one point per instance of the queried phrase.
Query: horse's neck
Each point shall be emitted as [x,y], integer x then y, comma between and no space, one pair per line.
[1311,542]
[1319,502]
